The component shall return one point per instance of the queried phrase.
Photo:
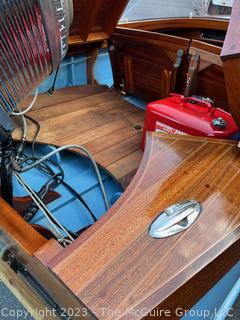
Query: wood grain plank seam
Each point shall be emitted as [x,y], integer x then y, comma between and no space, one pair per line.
[37,108]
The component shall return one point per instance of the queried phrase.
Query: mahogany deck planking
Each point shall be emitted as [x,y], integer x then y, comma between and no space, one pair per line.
[96,118]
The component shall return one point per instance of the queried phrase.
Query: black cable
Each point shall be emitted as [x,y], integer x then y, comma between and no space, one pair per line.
[55,180]
[34,208]
[52,89]
[32,211]
[6,153]
[48,170]
[43,166]
[72,190]
[55,177]
[77,195]
[49,186]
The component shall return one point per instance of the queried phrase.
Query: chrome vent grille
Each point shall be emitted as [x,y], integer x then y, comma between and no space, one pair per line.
[33,41]
[25,59]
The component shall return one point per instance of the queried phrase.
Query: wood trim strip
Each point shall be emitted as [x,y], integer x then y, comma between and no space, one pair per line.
[206,56]
[13,225]
[150,37]
[206,47]
[184,23]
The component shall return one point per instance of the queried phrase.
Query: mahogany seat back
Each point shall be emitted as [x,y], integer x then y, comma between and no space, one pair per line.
[144,63]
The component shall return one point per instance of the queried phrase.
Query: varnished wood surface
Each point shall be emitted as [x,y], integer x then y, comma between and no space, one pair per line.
[13,225]
[94,20]
[178,23]
[207,51]
[117,266]
[104,122]
[96,118]
[143,62]
[153,38]
[231,69]
[211,81]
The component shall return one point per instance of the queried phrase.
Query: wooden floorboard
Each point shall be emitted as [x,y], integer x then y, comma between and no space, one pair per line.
[65,95]
[98,119]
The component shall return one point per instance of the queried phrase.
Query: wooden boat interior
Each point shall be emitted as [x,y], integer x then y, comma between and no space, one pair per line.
[89,114]
[139,69]
[115,263]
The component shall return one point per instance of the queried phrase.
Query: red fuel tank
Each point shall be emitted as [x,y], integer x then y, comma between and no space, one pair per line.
[188,116]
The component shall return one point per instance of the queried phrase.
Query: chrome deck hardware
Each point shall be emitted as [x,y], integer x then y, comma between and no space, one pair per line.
[175,219]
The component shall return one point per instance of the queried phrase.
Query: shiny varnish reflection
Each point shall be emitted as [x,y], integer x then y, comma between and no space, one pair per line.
[117,265]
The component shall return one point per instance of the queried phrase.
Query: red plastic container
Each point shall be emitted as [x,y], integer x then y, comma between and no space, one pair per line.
[188,116]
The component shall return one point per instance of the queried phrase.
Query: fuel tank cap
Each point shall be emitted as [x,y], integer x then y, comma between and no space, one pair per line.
[175,219]
[219,123]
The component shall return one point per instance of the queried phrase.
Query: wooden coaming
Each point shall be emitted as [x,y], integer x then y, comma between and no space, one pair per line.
[116,266]
[190,28]
[178,23]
